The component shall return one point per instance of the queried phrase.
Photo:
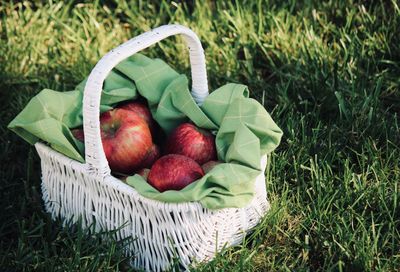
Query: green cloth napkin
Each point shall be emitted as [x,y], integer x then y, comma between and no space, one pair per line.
[244,130]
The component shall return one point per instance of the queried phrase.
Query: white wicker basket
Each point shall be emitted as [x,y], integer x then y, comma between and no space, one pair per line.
[160,230]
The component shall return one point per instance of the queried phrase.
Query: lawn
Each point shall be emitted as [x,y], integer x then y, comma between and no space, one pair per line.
[329,74]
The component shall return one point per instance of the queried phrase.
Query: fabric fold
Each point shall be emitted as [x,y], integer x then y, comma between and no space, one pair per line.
[244,130]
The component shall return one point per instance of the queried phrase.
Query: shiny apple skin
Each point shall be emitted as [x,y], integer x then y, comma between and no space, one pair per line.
[193,142]
[142,110]
[174,172]
[126,139]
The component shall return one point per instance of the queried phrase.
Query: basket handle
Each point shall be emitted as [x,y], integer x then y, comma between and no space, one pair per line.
[94,153]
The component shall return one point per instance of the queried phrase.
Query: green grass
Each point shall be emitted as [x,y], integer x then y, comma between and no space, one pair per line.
[329,74]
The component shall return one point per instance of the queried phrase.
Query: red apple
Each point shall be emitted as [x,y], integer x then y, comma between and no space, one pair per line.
[142,110]
[78,134]
[193,142]
[152,155]
[174,172]
[126,139]
[208,166]
[144,172]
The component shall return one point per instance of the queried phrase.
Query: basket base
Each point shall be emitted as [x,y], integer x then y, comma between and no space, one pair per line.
[161,232]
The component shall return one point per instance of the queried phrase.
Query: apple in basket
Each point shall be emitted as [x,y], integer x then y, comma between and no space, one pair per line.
[174,172]
[151,156]
[126,140]
[142,110]
[193,142]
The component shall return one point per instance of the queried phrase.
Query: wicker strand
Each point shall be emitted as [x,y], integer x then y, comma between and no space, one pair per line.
[159,230]
[95,156]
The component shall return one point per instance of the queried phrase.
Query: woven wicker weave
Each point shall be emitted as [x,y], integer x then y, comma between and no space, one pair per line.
[160,230]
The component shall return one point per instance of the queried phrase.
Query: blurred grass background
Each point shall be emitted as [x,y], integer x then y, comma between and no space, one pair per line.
[329,74]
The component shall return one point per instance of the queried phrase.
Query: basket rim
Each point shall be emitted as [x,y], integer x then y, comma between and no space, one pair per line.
[117,184]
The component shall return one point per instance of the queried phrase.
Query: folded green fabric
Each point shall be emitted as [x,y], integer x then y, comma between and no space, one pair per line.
[244,130]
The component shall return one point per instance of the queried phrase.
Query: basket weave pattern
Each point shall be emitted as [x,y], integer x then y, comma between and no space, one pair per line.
[160,231]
